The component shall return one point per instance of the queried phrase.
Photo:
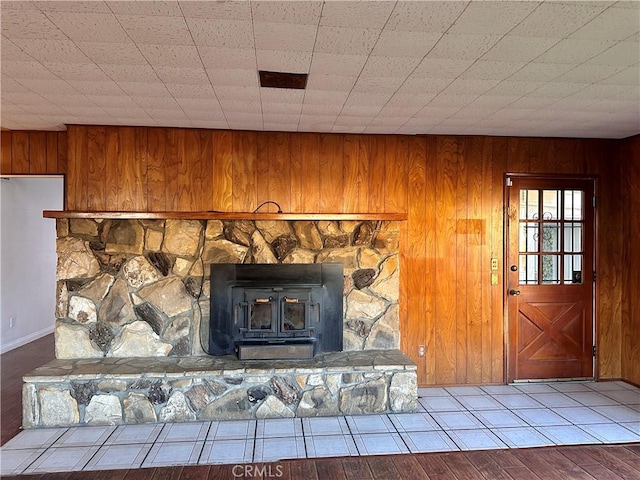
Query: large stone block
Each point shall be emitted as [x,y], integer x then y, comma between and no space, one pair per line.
[177,409]
[117,308]
[168,296]
[103,410]
[272,407]
[362,305]
[138,409]
[124,236]
[233,405]
[98,288]
[139,272]
[75,259]
[182,237]
[73,341]
[368,397]
[403,392]
[317,402]
[138,339]
[223,251]
[57,408]
[82,310]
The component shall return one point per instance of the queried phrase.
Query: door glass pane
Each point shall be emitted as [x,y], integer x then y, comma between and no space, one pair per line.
[550,269]
[573,204]
[550,204]
[528,237]
[293,316]
[529,204]
[573,237]
[573,269]
[528,269]
[261,315]
[550,237]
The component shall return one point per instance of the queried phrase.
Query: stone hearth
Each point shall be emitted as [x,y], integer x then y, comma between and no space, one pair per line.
[113,391]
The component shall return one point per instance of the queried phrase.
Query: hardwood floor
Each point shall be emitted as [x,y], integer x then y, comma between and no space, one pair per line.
[574,462]
[552,463]
[13,366]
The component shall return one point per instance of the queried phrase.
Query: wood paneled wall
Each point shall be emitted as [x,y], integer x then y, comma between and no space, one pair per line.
[450,187]
[33,153]
[630,207]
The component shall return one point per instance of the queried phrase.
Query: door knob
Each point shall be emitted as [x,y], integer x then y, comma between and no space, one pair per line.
[514,292]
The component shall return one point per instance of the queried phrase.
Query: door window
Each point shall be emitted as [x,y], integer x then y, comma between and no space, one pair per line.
[551,230]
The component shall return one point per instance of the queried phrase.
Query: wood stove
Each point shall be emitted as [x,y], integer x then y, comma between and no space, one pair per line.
[275,311]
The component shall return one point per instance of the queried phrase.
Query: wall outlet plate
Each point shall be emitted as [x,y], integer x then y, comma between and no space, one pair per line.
[494,264]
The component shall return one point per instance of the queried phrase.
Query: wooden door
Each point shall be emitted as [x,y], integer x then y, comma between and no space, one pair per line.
[550,275]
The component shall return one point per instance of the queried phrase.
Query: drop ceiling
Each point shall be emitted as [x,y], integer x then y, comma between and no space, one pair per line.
[519,68]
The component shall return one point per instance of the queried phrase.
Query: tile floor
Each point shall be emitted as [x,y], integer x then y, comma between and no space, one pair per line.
[456,418]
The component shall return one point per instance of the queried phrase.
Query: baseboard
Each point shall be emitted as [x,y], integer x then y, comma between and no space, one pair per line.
[24,340]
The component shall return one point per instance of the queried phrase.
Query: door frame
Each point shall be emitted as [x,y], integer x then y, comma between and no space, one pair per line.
[505,261]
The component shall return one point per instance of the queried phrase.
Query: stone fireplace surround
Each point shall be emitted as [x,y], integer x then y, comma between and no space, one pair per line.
[133,303]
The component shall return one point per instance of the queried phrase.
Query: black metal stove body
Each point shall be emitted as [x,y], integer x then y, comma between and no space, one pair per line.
[276,311]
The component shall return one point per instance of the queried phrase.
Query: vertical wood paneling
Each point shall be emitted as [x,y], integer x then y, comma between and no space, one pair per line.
[279,172]
[446,309]
[305,173]
[20,153]
[245,151]
[77,172]
[62,152]
[52,153]
[37,153]
[156,170]
[331,166]
[414,261]
[96,168]
[450,187]
[223,171]
[5,147]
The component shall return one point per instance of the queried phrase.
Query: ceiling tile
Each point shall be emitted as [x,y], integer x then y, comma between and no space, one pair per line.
[94,27]
[541,72]
[210,105]
[514,48]
[96,87]
[69,100]
[325,97]
[463,46]
[220,57]
[162,8]
[424,85]
[283,61]
[574,50]
[285,108]
[435,17]
[238,94]
[491,70]
[32,24]
[144,89]
[492,17]
[110,53]
[27,98]
[156,29]
[389,66]
[130,73]
[469,86]
[558,90]
[112,101]
[345,41]
[239,115]
[335,64]
[408,101]
[367,99]
[151,102]
[196,92]
[171,55]
[621,54]
[378,84]
[405,44]
[10,51]
[284,36]
[221,33]
[187,76]
[63,51]
[48,86]
[628,76]
[557,20]
[434,112]
[232,77]
[372,15]
[216,10]
[77,71]
[306,13]
[29,70]
[279,95]
[612,24]
[587,73]
[402,112]
[66,6]
[441,67]
[444,99]
[319,81]
[10,85]
[492,102]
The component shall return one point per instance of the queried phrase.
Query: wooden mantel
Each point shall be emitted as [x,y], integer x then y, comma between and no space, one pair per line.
[225,215]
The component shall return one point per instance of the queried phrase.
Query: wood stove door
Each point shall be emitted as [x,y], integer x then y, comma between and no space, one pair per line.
[261,312]
[294,313]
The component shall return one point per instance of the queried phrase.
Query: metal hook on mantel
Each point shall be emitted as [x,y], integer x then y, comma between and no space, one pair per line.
[266,203]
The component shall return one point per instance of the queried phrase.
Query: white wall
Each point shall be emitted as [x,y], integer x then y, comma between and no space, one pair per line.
[27,258]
